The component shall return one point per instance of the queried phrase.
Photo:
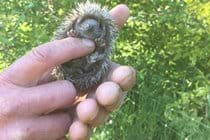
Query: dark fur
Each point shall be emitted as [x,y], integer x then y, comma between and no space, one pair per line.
[91,21]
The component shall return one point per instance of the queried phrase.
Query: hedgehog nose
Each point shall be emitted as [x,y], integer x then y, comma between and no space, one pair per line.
[89,25]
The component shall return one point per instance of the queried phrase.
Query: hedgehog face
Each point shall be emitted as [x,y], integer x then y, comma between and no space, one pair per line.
[89,28]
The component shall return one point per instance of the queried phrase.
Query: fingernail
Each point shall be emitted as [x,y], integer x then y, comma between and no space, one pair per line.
[88,44]
[133,70]
[130,75]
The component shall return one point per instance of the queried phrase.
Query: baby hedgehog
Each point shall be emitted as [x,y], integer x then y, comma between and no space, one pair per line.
[90,21]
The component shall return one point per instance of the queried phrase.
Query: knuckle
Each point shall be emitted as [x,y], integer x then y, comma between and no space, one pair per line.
[9,106]
[6,107]
[41,54]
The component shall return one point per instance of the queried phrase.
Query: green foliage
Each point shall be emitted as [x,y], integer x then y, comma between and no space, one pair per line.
[168,43]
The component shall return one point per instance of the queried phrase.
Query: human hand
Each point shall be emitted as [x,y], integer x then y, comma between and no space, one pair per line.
[27,97]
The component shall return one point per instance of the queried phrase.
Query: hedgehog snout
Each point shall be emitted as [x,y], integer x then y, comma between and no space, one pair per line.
[90,28]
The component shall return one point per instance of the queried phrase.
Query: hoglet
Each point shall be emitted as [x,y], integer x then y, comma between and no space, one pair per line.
[91,21]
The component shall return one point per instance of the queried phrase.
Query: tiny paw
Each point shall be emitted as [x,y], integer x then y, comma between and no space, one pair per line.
[91,59]
[71,33]
[100,42]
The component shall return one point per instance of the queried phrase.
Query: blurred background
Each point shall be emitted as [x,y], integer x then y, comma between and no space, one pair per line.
[166,41]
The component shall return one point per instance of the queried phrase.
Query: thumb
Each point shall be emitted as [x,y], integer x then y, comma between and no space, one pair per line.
[33,65]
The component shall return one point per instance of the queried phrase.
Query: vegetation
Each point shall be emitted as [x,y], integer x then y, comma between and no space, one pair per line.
[166,41]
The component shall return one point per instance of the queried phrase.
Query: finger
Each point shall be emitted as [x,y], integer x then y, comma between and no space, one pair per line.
[125,76]
[42,99]
[120,14]
[101,117]
[28,70]
[51,127]
[97,117]
[79,131]
[87,110]
[108,95]
[50,97]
